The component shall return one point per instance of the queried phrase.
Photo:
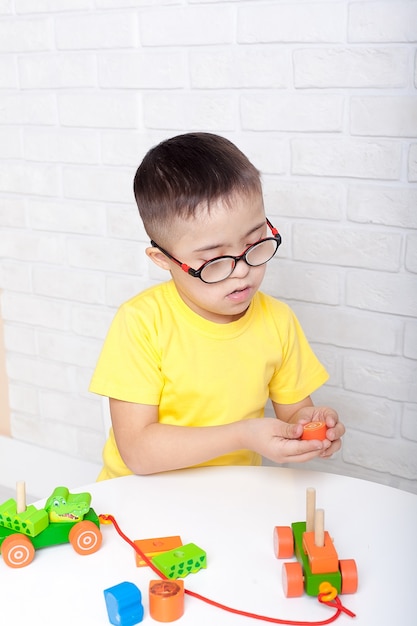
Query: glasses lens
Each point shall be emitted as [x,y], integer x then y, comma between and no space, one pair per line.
[261,252]
[217,270]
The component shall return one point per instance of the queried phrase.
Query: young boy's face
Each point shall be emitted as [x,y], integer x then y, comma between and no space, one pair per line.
[226,230]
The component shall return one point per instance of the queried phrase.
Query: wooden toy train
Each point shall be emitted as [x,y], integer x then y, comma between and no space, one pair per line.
[318,569]
[65,518]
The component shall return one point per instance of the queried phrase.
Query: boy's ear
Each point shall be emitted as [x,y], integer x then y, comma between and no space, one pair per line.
[158,258]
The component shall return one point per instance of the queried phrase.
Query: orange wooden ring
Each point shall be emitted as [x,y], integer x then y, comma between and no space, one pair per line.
[166,600]
[349,574]
[314,430]
[283,542]
[292,579]
[17,550]
[85,537]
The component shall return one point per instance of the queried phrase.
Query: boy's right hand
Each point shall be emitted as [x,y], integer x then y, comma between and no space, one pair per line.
[280,441]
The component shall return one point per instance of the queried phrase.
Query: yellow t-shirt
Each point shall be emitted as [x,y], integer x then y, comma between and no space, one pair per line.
[199,373]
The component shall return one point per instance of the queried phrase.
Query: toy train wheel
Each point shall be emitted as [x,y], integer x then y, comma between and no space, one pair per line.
[85,537]
[349,574]
[283,542]
[17,550]
[292,579]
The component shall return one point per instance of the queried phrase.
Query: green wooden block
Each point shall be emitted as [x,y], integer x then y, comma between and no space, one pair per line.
[180,562]
[31,522]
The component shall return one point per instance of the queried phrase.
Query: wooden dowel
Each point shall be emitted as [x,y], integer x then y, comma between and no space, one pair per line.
[20,496]
[319,528]
[310,508]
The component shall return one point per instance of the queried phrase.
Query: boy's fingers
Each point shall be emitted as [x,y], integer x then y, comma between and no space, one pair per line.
[293,431]
[304,450]
[298,447]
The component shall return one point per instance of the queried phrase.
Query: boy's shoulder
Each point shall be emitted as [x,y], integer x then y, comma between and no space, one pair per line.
[272,303]
[276,313]
[146,312]
[148,301]
[151,293]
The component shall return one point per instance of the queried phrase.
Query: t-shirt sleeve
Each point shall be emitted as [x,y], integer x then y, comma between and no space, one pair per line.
[128,367]
[300,372]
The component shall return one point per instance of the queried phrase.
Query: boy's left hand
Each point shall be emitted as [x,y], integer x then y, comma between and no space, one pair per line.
[335,429]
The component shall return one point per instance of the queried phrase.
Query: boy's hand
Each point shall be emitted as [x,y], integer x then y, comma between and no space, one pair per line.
[280,441]
[303,412]
[335,429]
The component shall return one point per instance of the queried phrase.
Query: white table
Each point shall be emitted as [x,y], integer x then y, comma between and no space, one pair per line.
[229,512]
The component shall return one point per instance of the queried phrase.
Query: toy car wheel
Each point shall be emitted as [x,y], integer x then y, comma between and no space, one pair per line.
[283,542]
[85,537]
[292,579]
[17,550]
[349,574]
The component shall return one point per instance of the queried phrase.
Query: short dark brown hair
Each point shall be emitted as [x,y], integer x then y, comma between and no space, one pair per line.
[187,172]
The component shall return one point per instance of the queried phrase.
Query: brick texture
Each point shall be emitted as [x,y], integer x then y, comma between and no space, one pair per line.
[321,95]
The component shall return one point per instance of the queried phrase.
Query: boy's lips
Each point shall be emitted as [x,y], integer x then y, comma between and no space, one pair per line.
[240,294]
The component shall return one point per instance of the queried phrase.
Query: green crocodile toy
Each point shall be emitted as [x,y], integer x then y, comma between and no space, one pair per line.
[62,506]
[66,518]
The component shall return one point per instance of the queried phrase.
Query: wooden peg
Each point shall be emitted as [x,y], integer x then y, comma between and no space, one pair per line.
[310,508]
[319,528]
[20,496]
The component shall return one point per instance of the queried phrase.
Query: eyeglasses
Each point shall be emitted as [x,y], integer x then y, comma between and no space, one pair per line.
[218,269]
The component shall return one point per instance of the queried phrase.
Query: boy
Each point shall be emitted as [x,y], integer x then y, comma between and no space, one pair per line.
[189,364]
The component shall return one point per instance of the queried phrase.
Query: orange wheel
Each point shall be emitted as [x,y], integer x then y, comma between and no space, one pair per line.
[292,579]
[17,550]
[349,574]
[283,542]
[85,537]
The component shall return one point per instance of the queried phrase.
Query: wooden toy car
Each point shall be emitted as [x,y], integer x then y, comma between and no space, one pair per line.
[65,518]
[318,569]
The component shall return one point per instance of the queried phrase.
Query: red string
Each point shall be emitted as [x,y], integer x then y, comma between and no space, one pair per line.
[336,603]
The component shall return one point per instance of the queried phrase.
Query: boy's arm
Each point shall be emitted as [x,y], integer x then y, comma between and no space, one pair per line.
[148,447]
[304,412]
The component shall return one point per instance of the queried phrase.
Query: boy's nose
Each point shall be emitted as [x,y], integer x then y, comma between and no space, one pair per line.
[241,269]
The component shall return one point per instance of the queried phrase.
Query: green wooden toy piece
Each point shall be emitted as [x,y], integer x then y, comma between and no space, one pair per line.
[31,522]
[65,518]
[62,506]
[180,562]
[312,581]
[54,534]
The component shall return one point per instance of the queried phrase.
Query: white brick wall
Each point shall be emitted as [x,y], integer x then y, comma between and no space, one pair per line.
[322,97]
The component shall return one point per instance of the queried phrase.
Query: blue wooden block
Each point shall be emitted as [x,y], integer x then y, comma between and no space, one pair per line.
[124,604]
